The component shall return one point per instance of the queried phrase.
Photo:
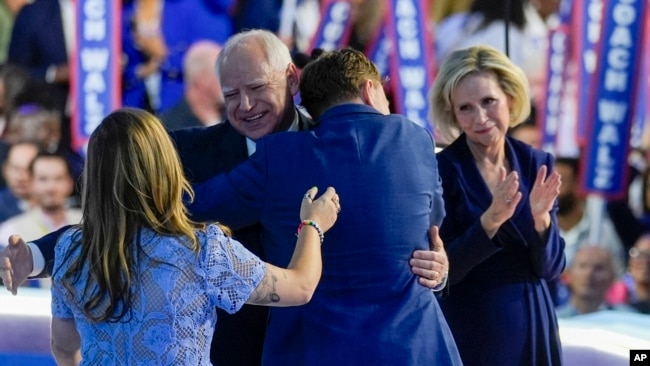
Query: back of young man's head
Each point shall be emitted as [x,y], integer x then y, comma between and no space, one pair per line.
[333,78]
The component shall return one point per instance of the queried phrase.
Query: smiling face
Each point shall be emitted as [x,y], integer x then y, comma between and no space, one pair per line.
[258,98]
[482,109]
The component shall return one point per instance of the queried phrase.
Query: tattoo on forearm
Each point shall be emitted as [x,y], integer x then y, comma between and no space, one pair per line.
[266,291]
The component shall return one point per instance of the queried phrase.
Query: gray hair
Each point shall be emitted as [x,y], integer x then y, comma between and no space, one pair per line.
[278,56]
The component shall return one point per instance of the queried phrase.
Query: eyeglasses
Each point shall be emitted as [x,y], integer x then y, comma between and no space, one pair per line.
[635,253]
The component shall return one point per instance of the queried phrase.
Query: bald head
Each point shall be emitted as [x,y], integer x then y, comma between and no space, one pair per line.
[199,58]
[591,272]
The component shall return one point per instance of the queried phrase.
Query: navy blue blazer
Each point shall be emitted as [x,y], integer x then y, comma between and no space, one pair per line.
[37,39]
[467,244]
[499,307]
[368,307]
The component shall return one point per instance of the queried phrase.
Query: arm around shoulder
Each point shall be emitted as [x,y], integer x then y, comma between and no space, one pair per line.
[46,245]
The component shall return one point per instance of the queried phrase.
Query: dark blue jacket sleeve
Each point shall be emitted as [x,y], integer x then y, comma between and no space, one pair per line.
[46,246]
[235,198]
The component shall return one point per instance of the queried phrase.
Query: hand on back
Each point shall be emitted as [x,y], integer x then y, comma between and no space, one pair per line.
[323,210]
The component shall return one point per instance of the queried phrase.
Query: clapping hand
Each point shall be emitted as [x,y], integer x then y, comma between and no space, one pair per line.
[542,197]
[505,198]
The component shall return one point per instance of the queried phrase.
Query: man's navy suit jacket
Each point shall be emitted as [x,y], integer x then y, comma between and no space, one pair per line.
[368,307]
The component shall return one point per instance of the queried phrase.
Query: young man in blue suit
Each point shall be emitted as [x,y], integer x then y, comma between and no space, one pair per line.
[368,307]
[259,101]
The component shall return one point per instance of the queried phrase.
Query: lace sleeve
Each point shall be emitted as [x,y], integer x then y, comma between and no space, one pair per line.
[59,307]
[232,271]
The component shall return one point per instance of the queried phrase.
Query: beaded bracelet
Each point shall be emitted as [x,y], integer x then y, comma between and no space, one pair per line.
[313,224]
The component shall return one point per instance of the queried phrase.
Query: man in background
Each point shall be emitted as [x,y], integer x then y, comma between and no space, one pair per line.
[589,277]
[202,103]
[51,185]
[15,197]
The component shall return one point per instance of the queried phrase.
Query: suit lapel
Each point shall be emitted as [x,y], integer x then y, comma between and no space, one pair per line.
[233,150]
[476,187]
[524,183]
[477,191]
[233,147]
[467,170]
[305,123]
[522,217]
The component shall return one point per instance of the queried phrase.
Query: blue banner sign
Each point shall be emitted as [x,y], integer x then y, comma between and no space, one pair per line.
[641,118]
[412,61]
[589,23]
[379,49]
[335,25]
[558,56]
[615,86]
[96,66]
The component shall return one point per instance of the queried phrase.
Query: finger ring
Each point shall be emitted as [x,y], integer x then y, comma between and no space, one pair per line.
[307,197]
[508,199]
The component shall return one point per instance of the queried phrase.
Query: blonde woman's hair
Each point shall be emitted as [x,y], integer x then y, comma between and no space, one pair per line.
[472,61]
[132,179]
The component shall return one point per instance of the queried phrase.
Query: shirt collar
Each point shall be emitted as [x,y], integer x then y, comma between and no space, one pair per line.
[251,146]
